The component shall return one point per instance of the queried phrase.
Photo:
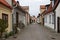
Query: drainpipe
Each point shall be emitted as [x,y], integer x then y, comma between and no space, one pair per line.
[54,19]
[13,15]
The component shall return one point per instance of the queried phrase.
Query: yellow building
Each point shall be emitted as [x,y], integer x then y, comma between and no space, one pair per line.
[42,9]
[6,13]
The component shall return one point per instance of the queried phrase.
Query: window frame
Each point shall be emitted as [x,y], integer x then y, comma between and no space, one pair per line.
[5,17]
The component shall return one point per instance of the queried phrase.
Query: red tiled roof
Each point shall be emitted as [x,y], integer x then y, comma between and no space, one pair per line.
[56,4]
[50,9]
[5,3]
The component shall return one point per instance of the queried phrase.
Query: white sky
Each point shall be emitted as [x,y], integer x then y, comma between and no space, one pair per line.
[34,5]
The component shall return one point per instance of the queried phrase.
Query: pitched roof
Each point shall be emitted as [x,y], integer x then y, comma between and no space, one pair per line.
[5,3]
[50,9]
[19,7]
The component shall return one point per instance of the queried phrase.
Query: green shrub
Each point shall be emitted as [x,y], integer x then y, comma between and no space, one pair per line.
[9,34]
[3,26]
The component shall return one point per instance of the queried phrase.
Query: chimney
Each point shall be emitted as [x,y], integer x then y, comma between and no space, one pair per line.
[18,2]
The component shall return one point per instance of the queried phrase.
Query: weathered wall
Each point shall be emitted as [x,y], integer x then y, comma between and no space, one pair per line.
[50,25]
[6,10]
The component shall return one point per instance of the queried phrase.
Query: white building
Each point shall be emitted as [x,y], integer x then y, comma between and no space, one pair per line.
[52,16]
[57,11]
[49,17]
[49,20]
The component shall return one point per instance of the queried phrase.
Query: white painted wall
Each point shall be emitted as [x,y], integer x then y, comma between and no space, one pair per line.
[57,14]
[50,25]
[22,18]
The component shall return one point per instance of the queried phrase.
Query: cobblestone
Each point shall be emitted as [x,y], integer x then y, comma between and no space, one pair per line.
[36,32]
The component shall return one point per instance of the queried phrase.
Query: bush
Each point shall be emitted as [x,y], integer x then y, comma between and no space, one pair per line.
[3,26]
[9,34]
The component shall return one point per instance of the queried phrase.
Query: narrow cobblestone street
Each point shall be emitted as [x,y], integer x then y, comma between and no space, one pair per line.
[36,32]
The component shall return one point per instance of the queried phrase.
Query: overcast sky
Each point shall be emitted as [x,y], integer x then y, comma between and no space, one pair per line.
[34,5]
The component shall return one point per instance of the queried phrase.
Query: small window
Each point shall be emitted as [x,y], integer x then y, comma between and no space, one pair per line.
[45,19]
[5,17]
[53,19]
[46,8]
[50,19]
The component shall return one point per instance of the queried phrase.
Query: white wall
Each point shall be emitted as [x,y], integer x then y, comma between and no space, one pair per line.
[22,18]
[50,25]
[57,14]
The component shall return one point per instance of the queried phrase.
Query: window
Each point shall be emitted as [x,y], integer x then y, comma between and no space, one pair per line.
[45,19]
[50,19]
[46,8]
[53,19]
[5,17]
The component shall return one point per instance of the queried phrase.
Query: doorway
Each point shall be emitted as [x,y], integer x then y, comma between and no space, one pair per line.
[17,19]
[58,24]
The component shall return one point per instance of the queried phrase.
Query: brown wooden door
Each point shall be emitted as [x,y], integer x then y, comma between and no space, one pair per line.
[43,21]
[58,24]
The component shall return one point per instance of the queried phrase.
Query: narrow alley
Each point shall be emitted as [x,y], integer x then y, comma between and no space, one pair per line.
[29,19]
[36,32]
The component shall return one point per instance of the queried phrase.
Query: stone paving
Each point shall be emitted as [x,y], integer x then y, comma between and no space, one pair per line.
[36,32]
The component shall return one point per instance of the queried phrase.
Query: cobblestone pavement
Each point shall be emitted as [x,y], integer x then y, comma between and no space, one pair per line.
[36,32]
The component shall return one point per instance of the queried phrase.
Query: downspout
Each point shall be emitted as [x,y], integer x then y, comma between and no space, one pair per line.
[54,19]
[12,15]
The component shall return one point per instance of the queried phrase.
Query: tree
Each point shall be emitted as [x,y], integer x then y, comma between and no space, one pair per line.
[3,26]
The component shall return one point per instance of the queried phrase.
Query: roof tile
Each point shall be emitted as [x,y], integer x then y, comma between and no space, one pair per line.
[5,3]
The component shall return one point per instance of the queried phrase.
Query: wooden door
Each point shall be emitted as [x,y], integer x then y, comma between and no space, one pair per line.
[58,24]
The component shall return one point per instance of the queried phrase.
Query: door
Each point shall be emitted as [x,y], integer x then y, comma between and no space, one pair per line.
[17,19]
[43,21]
[58,24]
